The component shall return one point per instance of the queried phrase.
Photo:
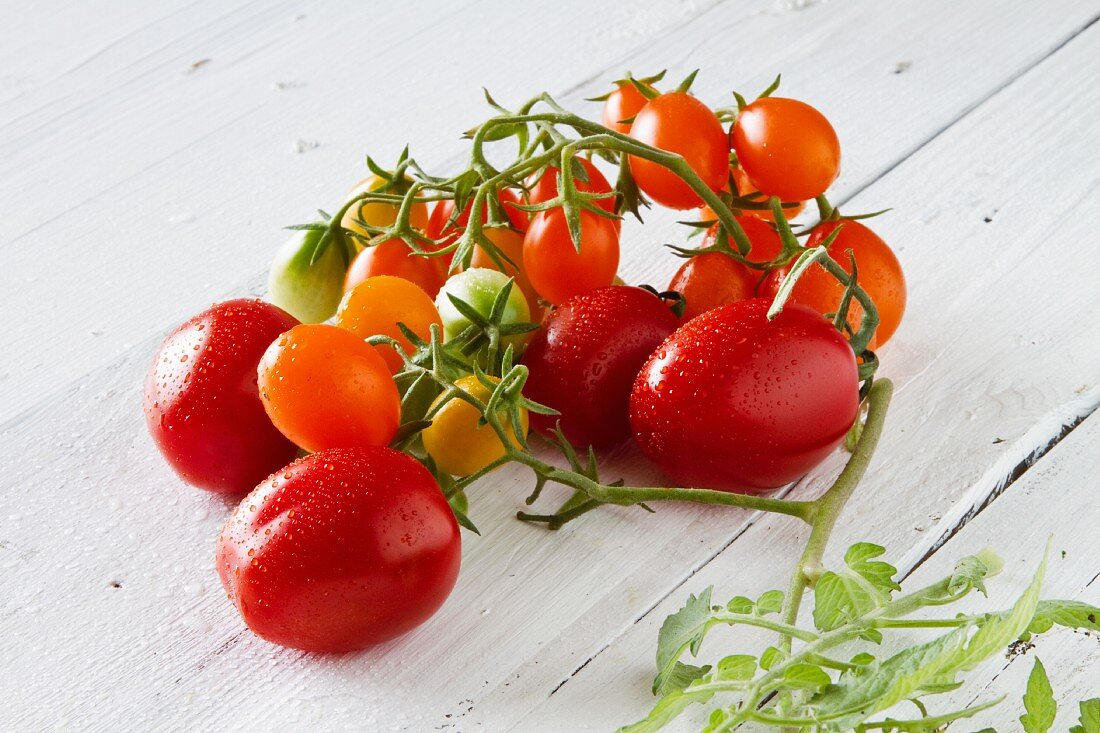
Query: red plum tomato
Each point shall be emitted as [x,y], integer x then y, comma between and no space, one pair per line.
[556,269]
[584,359]
[340,550]
[735,402]
[878,272]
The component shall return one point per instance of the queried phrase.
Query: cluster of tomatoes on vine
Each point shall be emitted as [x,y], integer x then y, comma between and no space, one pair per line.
[403,353]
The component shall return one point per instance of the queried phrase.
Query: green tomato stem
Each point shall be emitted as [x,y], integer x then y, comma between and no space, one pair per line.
[827,509]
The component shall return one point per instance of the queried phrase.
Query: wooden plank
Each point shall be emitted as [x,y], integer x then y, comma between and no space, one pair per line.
[171,186]
[161,170]
[984,371]
[531,607]
[1065,477]
[1054,502]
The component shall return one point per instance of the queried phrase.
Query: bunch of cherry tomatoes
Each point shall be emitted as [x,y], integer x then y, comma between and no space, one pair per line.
[372,375]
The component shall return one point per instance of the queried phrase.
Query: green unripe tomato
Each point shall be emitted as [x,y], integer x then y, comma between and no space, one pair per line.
[310,293]
[478,287]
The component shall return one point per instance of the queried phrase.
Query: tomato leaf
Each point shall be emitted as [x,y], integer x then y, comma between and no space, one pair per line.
[666,709]
[972,570]
[1090,717]
[1071,614]
[769,602]
[931,665]
[680,675]
[860,558]
[736,667]
[805,677]
[1039,701]
[682,631]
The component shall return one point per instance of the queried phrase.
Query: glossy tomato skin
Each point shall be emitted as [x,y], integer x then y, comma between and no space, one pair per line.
[786,147]
[679,123]
[735,402]
[709,280]
[393,257]
[324,387]
[556,269]
[584,359]
[340,550]
[378,304]
[622,104]
[201,402]
[456,442]
[878,272]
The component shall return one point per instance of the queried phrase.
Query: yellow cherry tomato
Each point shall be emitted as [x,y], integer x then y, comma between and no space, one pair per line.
[378,213]
[455,441]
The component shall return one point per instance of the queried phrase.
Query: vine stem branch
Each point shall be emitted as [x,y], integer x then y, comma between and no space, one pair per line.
[828,507]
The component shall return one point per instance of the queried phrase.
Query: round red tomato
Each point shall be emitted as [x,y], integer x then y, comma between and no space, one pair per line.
[787,148]
[679,123]
[393,257]
[201,402]
[709,280]
[340,550]
[545,187]
[735,402]
[622,104]
[555,267]
[878,272]
[584,359]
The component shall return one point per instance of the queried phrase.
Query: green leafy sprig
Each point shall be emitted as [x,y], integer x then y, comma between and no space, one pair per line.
[830,677]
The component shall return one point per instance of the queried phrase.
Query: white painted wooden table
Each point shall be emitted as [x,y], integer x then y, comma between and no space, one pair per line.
[150,153]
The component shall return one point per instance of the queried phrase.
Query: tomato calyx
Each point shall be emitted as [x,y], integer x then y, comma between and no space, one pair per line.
[673,298]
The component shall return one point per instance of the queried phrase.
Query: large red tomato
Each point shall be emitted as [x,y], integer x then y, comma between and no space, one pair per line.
[342,549]
[201,402]
[736,402]
[583,361]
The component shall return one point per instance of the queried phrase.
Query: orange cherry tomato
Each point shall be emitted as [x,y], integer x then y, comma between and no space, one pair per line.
[622,104]
[710,280]
[375,306]
[377,213]
[393,257]
[545,187]
[511,244]
[556,269]
[679,123]
[787,148]
[324,387]
[878,272]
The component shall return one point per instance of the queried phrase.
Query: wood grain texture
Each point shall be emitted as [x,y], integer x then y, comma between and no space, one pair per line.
[160,186]
[106,560]
[977,366]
